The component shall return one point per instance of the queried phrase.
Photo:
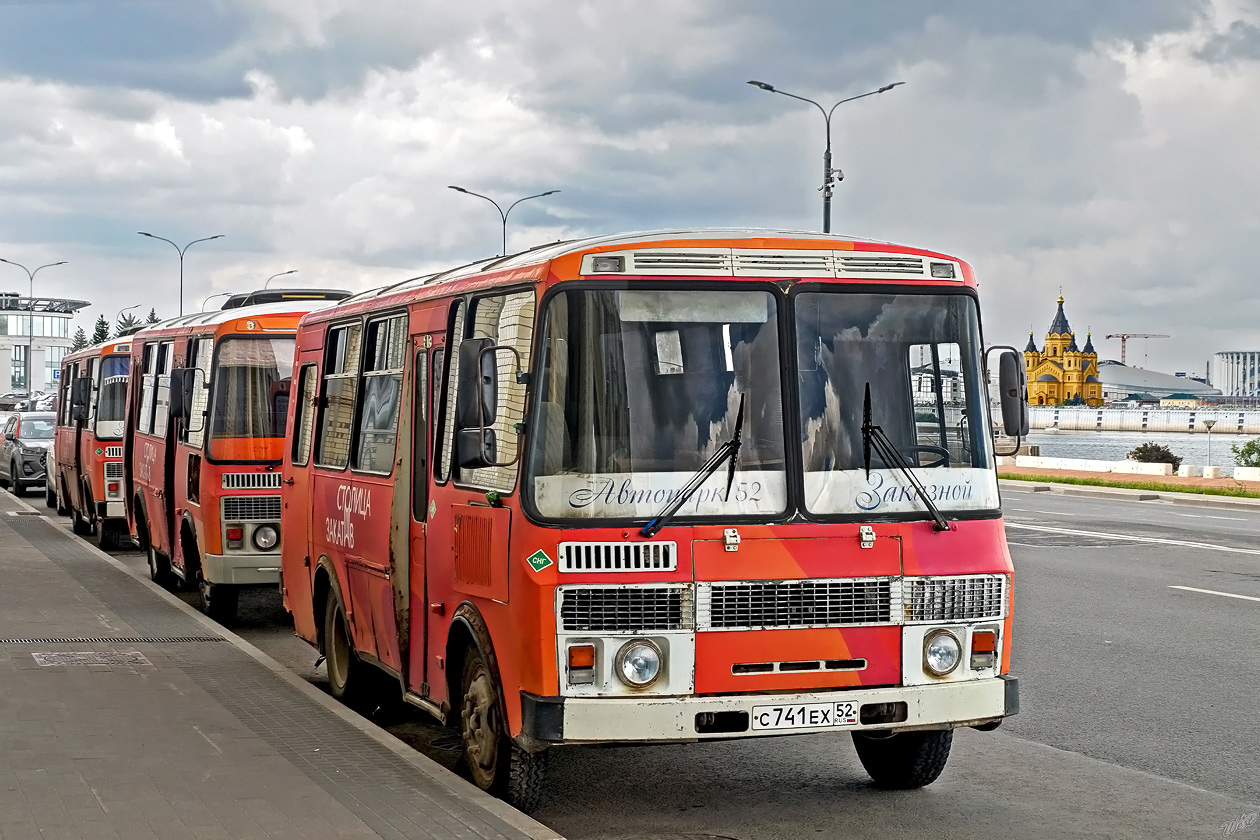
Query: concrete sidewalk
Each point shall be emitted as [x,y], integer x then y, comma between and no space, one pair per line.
[126,714]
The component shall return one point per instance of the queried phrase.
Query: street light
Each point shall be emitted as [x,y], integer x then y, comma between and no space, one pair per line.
[30,327]
[503,214]
[212,297]
[181,258]
[1208,424]
[830,176]
[281,274]
[118,317]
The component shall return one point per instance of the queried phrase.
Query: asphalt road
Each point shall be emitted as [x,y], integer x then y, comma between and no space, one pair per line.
[1139,706]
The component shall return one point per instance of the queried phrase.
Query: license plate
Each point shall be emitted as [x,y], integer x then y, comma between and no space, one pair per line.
[805,716]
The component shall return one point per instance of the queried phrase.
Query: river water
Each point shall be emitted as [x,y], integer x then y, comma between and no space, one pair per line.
[1113,446]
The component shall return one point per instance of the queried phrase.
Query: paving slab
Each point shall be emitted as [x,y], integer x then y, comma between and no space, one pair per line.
[124,713]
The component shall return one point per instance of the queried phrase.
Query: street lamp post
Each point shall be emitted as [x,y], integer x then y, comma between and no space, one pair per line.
[212,297]
[30,326]
[502,214]
[181,258]
[830,176]
[281,274]
[118,317]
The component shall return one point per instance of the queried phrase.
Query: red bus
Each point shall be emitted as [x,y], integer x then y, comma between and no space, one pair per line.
[89,440]
[205,428]
[659,488]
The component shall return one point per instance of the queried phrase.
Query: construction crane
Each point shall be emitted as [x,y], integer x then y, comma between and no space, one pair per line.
[1126,336]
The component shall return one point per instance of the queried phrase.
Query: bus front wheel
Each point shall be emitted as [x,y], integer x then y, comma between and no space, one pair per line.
[217,600]
[494,762]
[905,761]
[160,570]
[345,671]
[79,523]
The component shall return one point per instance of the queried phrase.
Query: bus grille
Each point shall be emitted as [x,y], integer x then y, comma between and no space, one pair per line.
[930,600]
[794,603]
[113,469]
[618,557]
[598,609]
[113,452]
[251,481]
[251,508]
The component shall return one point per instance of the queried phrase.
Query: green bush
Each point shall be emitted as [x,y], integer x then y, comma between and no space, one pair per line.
[1155,453]
[1247,454]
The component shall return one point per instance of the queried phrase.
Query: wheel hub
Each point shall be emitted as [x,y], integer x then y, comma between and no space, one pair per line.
[480,719]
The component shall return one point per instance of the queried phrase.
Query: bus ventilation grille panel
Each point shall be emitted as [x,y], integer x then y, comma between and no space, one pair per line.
[801,603]
[963,598]
[618,557]
[113,469]
[251,481]
[251,508]
[611,609]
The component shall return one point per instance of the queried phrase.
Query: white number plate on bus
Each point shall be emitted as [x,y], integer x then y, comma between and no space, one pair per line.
[805,716]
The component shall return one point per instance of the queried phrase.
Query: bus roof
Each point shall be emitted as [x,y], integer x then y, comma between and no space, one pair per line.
[119,345]
[193,322]
[700,251]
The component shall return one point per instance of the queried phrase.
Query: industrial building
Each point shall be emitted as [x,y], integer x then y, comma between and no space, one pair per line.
[40,327]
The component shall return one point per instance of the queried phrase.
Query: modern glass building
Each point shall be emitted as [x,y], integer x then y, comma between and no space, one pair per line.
[37,329]
[1237,373]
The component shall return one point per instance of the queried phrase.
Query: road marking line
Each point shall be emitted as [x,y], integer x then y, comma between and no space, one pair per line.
[1214,592]
[1133,538]
[1208,516]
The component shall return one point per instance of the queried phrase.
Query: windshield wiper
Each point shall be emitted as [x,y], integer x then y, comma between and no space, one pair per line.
[730,450]
[872,434]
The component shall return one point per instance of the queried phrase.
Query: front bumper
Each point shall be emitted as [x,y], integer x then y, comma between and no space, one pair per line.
[242,569]
[111,510]
[575,720]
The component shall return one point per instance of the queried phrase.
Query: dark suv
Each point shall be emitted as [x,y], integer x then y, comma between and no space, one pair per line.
[25,443]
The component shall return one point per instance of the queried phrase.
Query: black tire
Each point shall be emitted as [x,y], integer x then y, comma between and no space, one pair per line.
[495,763]
[63,509]
[15,484]
[160,570]
[219,601]
[109,535]
[80,525]
[50,497]
[906,761]
[346,672]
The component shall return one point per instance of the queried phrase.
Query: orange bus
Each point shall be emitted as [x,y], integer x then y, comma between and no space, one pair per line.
[89,440]
[661,487]
[205,428]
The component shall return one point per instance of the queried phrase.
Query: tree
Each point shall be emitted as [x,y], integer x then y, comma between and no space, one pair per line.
[153,317]
[1247,454]
[101,333]
[80,340]
[126,323]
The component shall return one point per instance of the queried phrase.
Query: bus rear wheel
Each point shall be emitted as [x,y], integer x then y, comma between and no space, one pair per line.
[160,570]
[345,670]
[905,761]
[79,524]
[495,763]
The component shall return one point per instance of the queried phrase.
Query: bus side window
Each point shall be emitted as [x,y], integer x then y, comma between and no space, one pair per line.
[148,390]
[341,378]
[420,438]
[194,431]
[304,422]
[162,389]
[435,403]
[376,434]
[445,443]
[93,371]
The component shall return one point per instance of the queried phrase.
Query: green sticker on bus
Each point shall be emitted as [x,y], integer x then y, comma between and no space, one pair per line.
[538,560]
[100,452]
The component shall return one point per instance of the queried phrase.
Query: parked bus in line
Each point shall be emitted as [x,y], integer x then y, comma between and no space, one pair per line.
[204,432]
[659,488]
[88,451]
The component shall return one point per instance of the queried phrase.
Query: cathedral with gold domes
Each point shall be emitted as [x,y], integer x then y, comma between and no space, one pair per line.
[1062,372]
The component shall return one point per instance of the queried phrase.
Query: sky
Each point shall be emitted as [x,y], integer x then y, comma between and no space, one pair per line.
[1102,148]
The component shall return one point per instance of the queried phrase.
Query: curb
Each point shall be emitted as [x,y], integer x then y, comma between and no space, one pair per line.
[453,784]
[1129,494]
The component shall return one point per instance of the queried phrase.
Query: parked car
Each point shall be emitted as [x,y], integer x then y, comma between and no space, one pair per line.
[28,437]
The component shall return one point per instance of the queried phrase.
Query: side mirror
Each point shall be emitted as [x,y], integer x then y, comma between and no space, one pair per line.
[181,392]
[1013,384]
[477,398]
[476,448]
[80,396]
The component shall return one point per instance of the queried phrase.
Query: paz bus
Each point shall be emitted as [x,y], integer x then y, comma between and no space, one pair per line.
[663,487]
[205,428]
[88,450]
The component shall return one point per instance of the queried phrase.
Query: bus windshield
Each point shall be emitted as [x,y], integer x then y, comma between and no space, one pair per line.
[112,400]
[250,398]
[638,388]
[920,356]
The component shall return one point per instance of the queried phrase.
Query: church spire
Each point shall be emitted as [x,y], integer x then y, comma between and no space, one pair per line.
[1032,345]
[1059,326]
[1089,344]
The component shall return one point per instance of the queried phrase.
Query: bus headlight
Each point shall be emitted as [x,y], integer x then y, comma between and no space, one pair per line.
[639,663]
[941,652]
[266,537]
